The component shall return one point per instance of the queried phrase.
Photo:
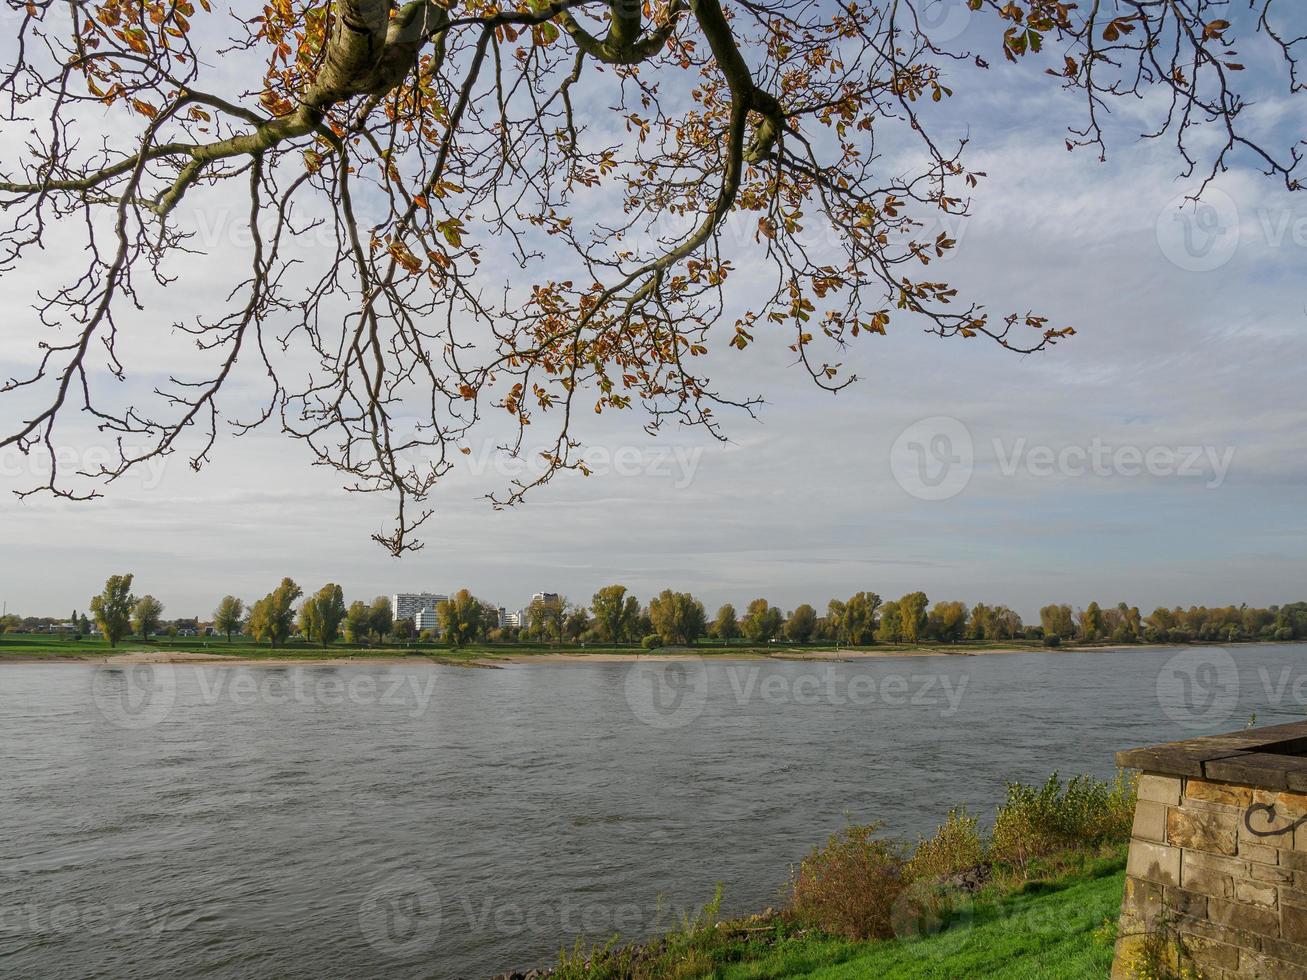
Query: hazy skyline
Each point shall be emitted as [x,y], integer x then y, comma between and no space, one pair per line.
[1185,344]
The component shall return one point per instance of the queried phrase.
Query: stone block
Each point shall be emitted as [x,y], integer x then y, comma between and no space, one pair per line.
[1256,893]
[1251,918]
[1293,924]
[1150,822]
[1159,789]
[1215,833]
[1227,794]
[1259,966]
[1154,862]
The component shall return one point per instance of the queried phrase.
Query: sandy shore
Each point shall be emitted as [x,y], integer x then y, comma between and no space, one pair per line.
[434,657]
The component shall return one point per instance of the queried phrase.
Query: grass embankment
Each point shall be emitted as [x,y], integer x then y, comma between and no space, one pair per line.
[34,646]
[1037,897]
[1058,929]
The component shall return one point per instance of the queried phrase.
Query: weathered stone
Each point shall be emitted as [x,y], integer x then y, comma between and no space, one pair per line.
[1225,934]
[1159,789]
[1294,896]
[1150,822]
[1250,850]
[1140,905]
[1258,966]
[1276,876]
[1256,893]
[1217,863]
[1264,922]
[1205,881]
[1185,902]
[1293,923]
[1211,955]
[1284,949]
[1154,862]
[1211,832]
[1223,793]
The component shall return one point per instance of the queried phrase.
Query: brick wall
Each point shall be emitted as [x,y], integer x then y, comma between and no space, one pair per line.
[1200,876]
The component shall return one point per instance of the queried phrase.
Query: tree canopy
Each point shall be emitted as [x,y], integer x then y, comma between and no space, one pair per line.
[620,159]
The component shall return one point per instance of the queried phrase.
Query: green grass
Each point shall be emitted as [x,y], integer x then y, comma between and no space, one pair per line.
[1046,931]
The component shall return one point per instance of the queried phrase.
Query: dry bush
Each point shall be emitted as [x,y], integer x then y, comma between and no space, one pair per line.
[849,887]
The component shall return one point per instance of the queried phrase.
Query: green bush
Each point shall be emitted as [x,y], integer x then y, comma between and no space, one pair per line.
[956,847]
[652,642]
[1035,821]
[1052,640]
[848,888]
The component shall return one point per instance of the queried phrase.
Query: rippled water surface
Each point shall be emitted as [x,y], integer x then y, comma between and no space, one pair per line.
[418,820]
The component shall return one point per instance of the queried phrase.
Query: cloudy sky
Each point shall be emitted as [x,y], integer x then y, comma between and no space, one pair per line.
[1157,457]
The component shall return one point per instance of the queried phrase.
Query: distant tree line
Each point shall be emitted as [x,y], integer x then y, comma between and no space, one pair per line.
[616,616]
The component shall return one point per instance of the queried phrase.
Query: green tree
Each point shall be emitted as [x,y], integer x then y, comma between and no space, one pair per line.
[112,608]
[147,615]
[229,616]
[403,629]
[677,617]
[762,621]
[615,613]
[947,621]
[912,616]
[329,605]
[272,617]
[1056,621]
[726,626]
[308,619]
[381,618]
[358,622]
[857,621]
[576,623]
[799,627]
[546,618]
[1091,622]
[460,618]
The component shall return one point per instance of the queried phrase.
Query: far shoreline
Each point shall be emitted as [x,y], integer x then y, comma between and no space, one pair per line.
[131,657]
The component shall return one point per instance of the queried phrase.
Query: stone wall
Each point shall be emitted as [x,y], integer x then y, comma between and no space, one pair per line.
[1216,879]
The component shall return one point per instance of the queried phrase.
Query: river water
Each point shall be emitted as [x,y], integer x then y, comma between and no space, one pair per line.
[418,820]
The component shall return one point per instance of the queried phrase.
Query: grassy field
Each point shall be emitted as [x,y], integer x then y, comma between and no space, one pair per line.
[42,646]
[1063,930]
[1060,925]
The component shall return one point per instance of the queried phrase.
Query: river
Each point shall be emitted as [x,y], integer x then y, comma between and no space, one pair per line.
[420,820]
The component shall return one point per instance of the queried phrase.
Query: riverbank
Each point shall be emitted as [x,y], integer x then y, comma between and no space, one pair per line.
[1037,896]
[1055,927]
[217,653]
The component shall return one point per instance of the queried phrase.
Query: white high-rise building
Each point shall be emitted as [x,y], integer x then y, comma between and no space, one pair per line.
[427,619]
[407,605]
[545,597]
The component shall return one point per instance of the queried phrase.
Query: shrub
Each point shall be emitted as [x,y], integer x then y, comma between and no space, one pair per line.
[652,642]
[1042,820]
[1284,633]
[956,847]
[1052,640]
[849,887]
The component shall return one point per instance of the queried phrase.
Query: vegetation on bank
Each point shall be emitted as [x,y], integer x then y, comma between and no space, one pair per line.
[1038,896]
[615,619]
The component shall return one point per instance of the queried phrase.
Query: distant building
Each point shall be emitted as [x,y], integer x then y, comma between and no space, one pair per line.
[426,619]
[407,605]
[545,597]
[514,620]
